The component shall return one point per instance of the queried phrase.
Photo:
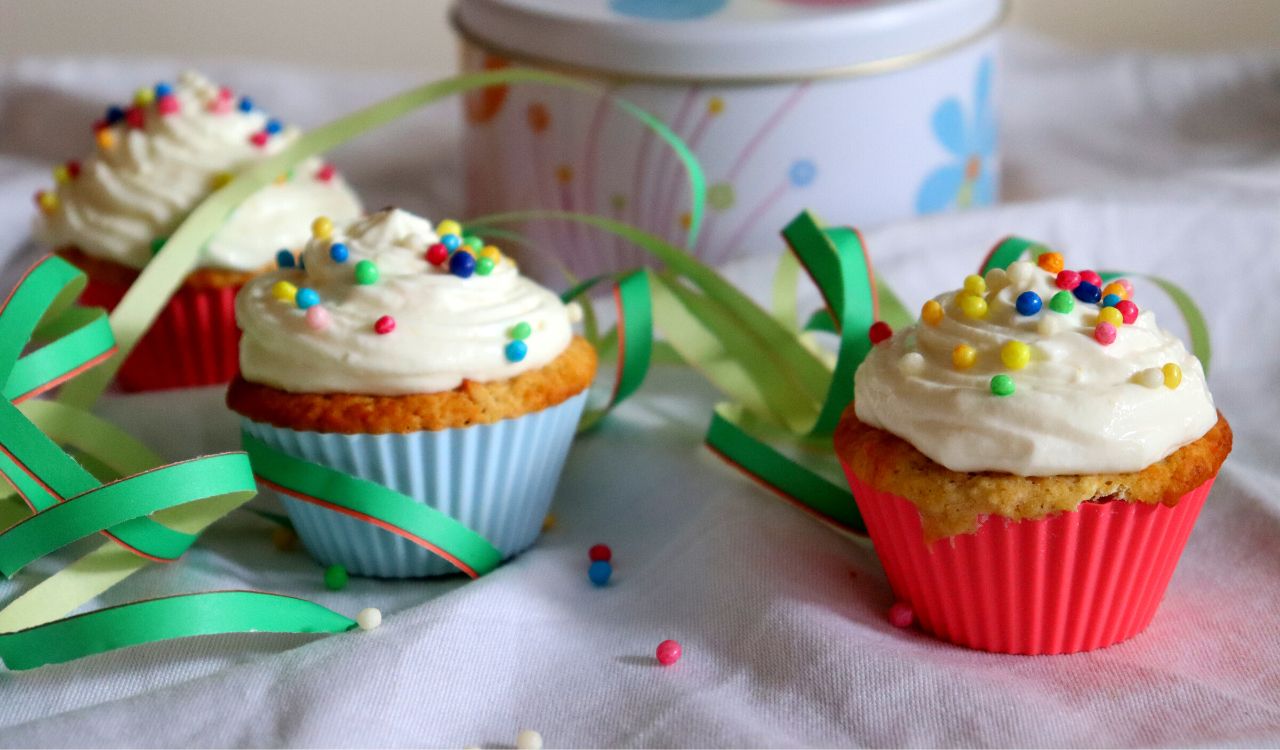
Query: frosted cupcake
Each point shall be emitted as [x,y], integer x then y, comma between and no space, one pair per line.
[154,162]
[415,361]
[1029,459]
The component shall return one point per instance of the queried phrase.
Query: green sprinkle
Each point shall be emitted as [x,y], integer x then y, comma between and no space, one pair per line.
[484,266]
[158,243]
[1062,302]
[473,242]
[366,272]
[1002,385]
[521,331]
[335,578]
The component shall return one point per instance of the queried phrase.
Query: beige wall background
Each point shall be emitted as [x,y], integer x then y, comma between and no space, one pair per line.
[414,34]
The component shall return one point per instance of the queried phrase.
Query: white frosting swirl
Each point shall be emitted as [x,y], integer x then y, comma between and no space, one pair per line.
[1079,407]
[447,328]
[144,185]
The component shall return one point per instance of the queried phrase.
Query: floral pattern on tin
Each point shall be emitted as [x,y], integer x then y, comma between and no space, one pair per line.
[969,178]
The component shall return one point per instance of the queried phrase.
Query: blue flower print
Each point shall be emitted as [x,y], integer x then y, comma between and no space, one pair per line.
[970,179]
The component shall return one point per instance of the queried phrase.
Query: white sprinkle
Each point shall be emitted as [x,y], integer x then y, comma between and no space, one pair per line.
[912,363]
[1051,325]
[575,312]
[528,740]
[1152,377]
[369,618]
[996,280]
[1020,274]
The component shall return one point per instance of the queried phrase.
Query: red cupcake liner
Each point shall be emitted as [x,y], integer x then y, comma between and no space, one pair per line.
[1066,583]
[193,342]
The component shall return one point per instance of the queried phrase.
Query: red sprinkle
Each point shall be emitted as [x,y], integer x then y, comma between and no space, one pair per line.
[99,125]
[168,105]
[1128,311]
[600,552]
[384,325]
[259,138]
[1092,277]
[136,118]
[326,173]
[669,652]
[437,254]
[879,331]
[73,169]
[901,615]
[1067,280]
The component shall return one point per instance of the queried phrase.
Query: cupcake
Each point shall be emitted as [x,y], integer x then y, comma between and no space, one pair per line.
[419,362]
[1030,457]
[154,162]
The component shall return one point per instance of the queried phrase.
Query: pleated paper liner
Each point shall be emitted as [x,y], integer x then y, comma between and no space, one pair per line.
[193,342]
[1066,583]
[498,479]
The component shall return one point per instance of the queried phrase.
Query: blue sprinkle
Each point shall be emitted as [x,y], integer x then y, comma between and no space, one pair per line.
[599,572]
[274,126]
[1087,292]
[307,297]
[285,259]
[451,241]
[516,351]
[163,89]
[1029,303]
[462,265]
[1111,300]
[339,252]
[114,114]
[246,104]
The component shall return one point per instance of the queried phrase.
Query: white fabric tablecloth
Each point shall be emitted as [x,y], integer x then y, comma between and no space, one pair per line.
[1162,164]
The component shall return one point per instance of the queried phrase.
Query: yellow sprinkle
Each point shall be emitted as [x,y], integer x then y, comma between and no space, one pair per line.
[221,179]
[973,305]
[322,228]
[61,174]
[449,226]
[1172,375]
[48,202]
[963,356]
[284,291]
[975,284]
[143,97]
[932,313]
[1110,315]
[1015,355]
[1117,289]
[491,252]
[106,139]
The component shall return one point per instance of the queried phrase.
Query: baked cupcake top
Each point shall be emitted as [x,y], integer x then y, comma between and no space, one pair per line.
[158,158]
[1036,371]
[386,306]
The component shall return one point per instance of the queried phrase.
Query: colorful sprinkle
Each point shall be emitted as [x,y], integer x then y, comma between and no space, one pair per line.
[1092,277]
[448,226]
[491,252]
[599,572]
[335,578]
[600,552]
[932,313]
[284,291]
[1152,377]
[61,174]
[366,272]
[1028,303]
[1051,262]
[285,259]
[975,284]
[168,105]
[273,127]
[973,305]
[306,298]
[879,331]
[143,97]
[437,254]
[1128,287]
[462,265]
[136,118]
[1067,280]
[318,318]
[326,173]
[1087,292]
[521,331]
[384,325]
[901,615]
[339,252]
[484,266]
[369,618]
[47,201]
[911,363]
[259,138]
[1117,289]
[220,179]
[115,113]
[668,652]
[473,242]
[451,241]
[106,139]
[322,228]
[163,89]
[1110,315]
[1110,300]
[963,356]
[1062,302]
[1128,311]
[1105,334]
[245,105]
[997,279]
[1172,375]
[1015,355]
[1002,385]
[516,351]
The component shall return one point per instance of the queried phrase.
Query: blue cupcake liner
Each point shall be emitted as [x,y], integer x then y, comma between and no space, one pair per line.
[498,479]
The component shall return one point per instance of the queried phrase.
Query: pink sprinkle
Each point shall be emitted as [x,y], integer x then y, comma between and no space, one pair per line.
[901,615]
[384,325]
[1128,287]
[326,173]
[259,138]
[669,652]
[1105,333]
[168,105]
[1092,277]
[224,93]
[1067,280]
[1128,311]
[318,318]
[220,106]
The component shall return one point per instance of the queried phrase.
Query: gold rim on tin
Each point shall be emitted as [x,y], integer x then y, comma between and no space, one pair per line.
[868,68]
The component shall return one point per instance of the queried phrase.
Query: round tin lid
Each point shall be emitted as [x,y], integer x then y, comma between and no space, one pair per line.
[724,39]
